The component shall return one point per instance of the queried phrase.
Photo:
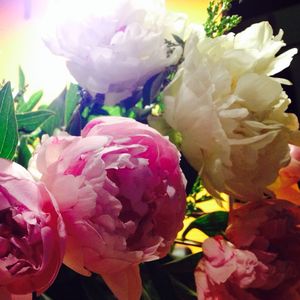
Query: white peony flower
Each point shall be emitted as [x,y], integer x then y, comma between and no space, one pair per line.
[114,47]
[252,50]
[230,113]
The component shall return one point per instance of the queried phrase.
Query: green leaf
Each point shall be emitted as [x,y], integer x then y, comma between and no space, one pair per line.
[30,121]
[19,99]
[218,21]
[71,101]
[113,110]
[93,287]
[149,291]
[183,290]
[145,295]
[31,103]
[211,224]
[8,123]
[44,297]
[183,265]
[57,120]
[178,39]
[21,80]
[24,153]
[158,281]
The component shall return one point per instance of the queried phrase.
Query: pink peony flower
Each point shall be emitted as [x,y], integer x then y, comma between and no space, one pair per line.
[32,234]
[121,193]
[224,271]
[271,230]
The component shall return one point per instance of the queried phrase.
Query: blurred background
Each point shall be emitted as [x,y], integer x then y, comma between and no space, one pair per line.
[21,44]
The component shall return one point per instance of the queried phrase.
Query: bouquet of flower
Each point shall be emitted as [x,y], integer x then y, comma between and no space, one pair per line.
[166,116]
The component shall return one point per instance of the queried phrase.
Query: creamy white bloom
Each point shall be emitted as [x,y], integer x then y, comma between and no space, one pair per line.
[252,50]
[230,113]
[113,47]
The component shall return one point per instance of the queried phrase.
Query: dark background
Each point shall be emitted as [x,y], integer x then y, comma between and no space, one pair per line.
[283,14]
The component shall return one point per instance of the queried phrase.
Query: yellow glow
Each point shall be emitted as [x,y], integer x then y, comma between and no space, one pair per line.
[195,234]
[195,9]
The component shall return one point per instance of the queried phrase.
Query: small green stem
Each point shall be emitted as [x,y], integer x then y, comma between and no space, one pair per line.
[188,243]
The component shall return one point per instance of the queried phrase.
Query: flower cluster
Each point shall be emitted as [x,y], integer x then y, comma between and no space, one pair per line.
[104,192]
[116,195]
[229,111]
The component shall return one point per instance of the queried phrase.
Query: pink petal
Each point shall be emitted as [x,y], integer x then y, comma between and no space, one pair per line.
[21,297]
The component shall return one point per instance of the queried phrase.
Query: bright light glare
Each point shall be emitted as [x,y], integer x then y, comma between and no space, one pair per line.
[61,10]
[81,8]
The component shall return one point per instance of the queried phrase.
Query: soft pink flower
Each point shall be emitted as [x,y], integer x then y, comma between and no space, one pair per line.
[271,230]
[32,234]
[225,271]
[121,193]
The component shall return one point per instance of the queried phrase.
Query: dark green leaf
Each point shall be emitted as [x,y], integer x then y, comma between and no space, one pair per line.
[160,281]
[30,121]
[149,291]
[75,124]
[69,285]
[183,265]
[178,39]
[57,120]
[44,297]
[72,98]
[146,295]
[95,286]
[31,103]
[211,224]
[152,88]
[8,123]
[141,114]
[182,290]
[24,153]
